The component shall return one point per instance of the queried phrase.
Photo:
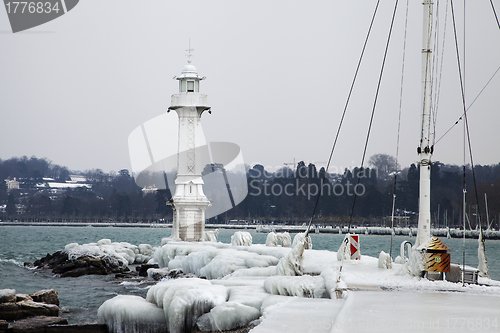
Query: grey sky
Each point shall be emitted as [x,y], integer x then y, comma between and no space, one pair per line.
[278,74]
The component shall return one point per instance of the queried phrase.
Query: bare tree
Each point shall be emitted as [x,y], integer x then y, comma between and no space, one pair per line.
[385,164]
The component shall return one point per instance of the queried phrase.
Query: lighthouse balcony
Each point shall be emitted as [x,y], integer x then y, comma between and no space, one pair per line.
[189,99]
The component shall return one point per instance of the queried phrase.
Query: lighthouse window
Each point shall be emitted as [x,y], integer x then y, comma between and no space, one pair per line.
[182,85]
[190,86]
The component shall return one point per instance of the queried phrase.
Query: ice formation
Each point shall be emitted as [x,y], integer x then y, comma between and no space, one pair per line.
[211,235]
[212,260]
[481,255]
[244,283]
[277,239]
[344,252]
[301,238]
[291,264]
[271,239]
[301,286]
[414,266]
[123,252]
[227,316]
[334,284]
[384,260]
[124,314]
[241,238]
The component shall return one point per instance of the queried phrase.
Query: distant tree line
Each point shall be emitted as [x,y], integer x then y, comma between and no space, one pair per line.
[112,196]
[283,196]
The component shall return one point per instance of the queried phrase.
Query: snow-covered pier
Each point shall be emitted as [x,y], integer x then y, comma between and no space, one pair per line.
[297,289]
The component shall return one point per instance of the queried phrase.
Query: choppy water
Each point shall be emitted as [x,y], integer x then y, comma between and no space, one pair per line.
[81,297]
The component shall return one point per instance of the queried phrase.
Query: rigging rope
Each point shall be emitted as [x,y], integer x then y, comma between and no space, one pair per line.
[438,88]
[466,130]
[373,113]
[343,115]
[495,12]
[475,99]
[399,126]
[487,83]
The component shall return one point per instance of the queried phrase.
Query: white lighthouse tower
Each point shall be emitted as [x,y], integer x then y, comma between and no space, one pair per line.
[189,202]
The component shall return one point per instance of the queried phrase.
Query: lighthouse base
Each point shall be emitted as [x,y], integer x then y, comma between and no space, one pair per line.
[189,220]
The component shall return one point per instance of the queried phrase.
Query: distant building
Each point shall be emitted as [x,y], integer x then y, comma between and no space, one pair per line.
[77,179]
[150,189]
[20,209]
[12,184]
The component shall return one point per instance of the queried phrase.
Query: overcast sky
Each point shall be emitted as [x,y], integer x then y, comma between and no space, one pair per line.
[278,74]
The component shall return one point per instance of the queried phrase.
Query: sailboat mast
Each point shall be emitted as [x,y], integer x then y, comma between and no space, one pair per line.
[425,149]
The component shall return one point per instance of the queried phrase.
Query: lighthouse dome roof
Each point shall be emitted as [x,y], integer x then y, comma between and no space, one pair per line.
[189,69]
[189,72]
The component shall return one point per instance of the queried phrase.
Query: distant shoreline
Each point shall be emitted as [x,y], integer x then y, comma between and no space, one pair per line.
[454,233]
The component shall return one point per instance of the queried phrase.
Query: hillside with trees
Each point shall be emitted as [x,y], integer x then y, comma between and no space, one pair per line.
[49,192]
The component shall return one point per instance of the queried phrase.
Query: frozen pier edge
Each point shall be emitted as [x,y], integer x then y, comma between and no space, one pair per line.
[441,232]
[238,285]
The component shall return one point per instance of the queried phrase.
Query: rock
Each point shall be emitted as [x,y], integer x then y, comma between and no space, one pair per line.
[91,270]
[9,311]
[35,324]
[60,263]
[158,274]
[32,309]
[23,297]
[78,328]
[48,296]
[4,325]
[7,295]
[143,269]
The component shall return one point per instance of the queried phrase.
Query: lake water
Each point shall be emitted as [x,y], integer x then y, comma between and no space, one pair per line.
[81,297]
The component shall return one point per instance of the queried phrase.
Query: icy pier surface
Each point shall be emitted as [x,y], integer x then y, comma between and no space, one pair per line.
[297,289]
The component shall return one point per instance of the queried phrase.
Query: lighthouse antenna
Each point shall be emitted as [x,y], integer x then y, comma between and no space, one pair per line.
[189,50]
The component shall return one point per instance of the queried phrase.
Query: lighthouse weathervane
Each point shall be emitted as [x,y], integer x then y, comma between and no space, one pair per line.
[189,201]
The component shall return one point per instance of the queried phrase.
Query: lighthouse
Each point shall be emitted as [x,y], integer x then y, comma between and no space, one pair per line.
[189,202]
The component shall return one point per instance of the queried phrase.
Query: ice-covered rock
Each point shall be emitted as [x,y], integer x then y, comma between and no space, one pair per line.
[241,238]
[104,241]
[125,313]
[211,260]
[185,300]
[124,252]
[247,294]
[384,260]
[7,295]
[301,286]
[227,316]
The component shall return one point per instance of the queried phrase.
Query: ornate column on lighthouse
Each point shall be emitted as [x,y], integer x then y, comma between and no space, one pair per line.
[189,202]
